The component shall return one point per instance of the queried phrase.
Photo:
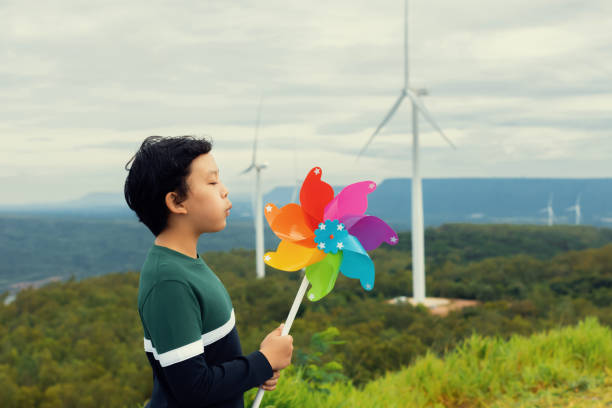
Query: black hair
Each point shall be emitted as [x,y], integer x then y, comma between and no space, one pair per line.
[160,166]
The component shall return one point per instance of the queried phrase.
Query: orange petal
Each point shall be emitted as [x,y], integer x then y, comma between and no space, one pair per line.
[289,223]
[290,256]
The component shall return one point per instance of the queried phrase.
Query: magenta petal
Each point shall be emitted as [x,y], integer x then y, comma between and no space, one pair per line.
[352,200]
[350,220]
[371,231]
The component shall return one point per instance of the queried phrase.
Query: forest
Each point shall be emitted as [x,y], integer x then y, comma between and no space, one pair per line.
[78,343]
[36,248]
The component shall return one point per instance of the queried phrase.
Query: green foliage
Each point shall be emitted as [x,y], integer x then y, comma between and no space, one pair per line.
[79,343]
[38,247]
[74,344]
[318,366]
[477,373]
[463,243]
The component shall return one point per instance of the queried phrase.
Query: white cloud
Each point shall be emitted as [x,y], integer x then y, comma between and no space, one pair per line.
[521,87]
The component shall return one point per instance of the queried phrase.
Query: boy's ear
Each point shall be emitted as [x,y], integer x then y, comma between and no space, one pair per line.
[173,205]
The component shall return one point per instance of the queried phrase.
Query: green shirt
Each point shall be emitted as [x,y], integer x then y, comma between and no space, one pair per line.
[183,306]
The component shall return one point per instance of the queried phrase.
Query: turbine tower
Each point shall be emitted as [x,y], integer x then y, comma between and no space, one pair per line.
[549,211]
[418,234]
[258,203]
[576,209]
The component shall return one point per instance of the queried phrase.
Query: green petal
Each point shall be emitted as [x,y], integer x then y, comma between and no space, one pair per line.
[322,275]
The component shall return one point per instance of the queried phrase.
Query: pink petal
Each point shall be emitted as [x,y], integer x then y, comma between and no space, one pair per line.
[352,200]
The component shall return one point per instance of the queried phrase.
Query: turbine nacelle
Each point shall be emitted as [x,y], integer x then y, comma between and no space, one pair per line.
[414,95]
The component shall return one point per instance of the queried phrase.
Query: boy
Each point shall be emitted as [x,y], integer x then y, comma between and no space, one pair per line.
[190,336]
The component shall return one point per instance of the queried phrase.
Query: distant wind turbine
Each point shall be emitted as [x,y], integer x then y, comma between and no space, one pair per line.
[258,202]
[576,209]
[549,210]
[418,234]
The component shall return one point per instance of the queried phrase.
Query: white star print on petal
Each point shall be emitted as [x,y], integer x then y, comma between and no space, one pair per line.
[268,208]
[267,258]
[322,227]
[372,186]
[394,239]
[317,171]
[339,245]
[322,245]
[340,227]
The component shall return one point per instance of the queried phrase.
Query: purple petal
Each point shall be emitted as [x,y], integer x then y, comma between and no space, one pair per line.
[350,220]
[371,231]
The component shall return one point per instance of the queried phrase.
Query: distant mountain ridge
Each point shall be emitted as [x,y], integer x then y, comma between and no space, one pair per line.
[481,200]
[486,200]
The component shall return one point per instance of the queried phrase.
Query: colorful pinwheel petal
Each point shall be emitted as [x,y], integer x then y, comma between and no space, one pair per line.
[322,276]
[327,234]
[371,231]
[314,196]
[352,200]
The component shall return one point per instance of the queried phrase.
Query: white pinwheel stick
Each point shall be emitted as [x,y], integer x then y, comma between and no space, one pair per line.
[292,312]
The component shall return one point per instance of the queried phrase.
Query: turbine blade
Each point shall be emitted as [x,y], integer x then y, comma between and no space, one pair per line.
[257,130]
[388,117]
[428,116]
[248,169]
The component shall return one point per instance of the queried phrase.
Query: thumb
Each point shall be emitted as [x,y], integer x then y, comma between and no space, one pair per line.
[279,329]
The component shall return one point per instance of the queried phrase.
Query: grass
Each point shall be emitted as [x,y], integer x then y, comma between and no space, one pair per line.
[570,365]
[582,394]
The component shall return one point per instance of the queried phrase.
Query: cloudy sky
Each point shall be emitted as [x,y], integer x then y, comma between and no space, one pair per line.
[523,88]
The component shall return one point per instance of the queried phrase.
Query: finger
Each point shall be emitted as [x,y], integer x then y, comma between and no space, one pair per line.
[271,381]
[275,375]
[266,388]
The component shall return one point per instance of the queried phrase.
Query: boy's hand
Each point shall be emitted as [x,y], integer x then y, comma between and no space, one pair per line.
[270,385]
[277,349]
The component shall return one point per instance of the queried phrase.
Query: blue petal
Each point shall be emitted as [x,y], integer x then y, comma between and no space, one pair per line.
[356,262]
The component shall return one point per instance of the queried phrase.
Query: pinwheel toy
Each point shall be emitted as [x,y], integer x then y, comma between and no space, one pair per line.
[326,235]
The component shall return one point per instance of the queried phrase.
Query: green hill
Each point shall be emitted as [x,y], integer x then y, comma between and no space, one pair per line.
[36,248]
[78,343]
[557,365]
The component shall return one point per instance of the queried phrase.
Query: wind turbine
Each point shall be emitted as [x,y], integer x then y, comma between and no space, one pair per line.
[549,210]
[418,234]
[576,209]
[258,202]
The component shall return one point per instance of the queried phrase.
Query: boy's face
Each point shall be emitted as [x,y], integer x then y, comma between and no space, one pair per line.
[207,203]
